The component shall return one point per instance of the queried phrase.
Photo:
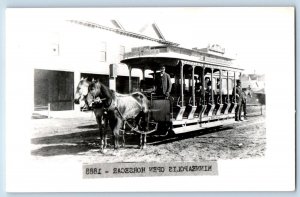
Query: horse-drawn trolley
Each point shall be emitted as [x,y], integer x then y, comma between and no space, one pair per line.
[202,93]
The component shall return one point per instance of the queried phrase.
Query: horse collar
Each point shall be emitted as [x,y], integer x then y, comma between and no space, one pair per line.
[107,105]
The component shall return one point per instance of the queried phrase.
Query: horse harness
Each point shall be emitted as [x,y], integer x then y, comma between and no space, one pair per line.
[129,124]
[110,106]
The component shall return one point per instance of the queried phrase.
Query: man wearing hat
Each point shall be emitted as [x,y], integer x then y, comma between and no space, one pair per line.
[163,83]
[238,100]
[209,94]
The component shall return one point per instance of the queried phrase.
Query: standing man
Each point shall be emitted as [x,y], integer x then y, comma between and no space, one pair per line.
[163,83]
[238,99]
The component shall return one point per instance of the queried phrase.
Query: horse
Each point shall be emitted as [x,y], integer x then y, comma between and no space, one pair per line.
[245,93]
[120,109]
[99,111]
[81,93]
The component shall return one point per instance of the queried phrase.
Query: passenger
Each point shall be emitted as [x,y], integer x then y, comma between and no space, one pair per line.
[209,94]
[142,85]
[199,90]
[197,81]
[218,84]
[206,81]
[163,83]
[175,89]
[239,99]
[219,91]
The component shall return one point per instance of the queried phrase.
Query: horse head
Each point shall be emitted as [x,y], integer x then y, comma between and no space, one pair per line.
[82,92]
[248,91]
[98,94]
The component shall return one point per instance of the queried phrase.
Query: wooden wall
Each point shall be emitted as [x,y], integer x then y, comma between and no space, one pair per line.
[54,87]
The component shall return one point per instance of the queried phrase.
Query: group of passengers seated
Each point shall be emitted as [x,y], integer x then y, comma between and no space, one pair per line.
[163,87]
[206,91]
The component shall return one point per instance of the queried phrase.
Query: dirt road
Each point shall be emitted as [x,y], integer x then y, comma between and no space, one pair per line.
[78,139]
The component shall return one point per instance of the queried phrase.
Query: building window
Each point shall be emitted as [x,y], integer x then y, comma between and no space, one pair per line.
[54,44]
[102,52]
[90,76]
[122,84]
[122,52]
[54,49]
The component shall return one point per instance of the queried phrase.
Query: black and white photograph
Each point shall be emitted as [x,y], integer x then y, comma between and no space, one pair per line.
[151,96]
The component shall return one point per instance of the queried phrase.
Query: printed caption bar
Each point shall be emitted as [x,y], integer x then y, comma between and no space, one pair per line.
[113,170]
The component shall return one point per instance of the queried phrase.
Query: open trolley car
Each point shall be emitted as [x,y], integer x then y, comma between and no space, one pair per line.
[190,106]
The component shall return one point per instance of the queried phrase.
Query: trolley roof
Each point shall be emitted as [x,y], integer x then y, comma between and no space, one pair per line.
[151,57]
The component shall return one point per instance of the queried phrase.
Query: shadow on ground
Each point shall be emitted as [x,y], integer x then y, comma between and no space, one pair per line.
[75,143]
[93,126]
[38,116]
[62,150]
[172,138]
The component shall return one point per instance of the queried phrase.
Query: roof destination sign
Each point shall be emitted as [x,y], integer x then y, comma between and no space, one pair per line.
[216,48]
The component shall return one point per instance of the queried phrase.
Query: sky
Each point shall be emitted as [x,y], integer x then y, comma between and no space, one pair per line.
[258,38]
[254,36]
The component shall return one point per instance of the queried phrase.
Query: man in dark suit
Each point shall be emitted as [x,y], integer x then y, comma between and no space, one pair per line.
[209,94]
[238,100]
[163,83]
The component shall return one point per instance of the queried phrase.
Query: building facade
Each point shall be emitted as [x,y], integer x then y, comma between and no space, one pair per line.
[74,49]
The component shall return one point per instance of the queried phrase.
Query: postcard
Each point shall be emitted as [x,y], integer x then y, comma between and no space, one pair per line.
[150,99]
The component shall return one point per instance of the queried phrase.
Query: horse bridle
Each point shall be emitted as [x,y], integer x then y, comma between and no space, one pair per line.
[106,105]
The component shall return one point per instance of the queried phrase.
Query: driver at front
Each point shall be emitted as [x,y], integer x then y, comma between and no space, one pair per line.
[163,83]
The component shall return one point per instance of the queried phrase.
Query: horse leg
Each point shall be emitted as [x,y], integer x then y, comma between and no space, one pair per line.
[141,141]
[145,142]
[99,122]
[113,125]
[101,140]
[105,132]
[145,127]
[116,132]
[123,136]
